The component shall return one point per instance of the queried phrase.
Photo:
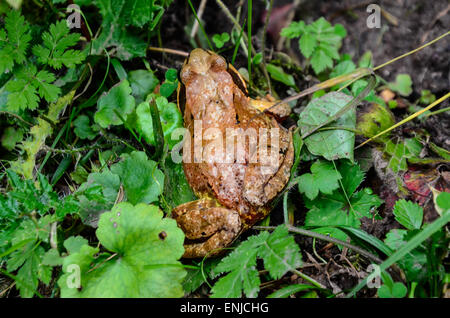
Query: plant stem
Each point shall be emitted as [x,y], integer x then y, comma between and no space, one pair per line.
[411,52]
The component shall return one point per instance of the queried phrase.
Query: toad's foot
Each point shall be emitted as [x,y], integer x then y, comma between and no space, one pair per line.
[208,227]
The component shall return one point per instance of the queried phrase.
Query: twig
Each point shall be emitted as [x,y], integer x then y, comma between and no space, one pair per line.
[170,51]
[16,116]
[200,11]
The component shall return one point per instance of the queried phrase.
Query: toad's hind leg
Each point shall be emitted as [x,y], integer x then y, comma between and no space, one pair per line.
[207,227]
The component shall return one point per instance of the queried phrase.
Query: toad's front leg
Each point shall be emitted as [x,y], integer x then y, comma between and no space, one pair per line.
[208,228]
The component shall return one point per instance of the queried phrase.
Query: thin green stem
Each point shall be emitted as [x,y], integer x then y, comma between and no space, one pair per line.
[201,26]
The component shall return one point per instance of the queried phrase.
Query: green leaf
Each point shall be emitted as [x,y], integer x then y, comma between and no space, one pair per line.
[137,12]
[52,258]
[402,85]
[308,43]
[142,180]
[119,99]
[11,137]
[54,51]
[46,89]
[408,214]
[294,30]
[332,144]
[342,209]
[340,30]
[324,178]
[116,15]
[74,243]
[220,39]
[142,83]
[279,252]
[83,128]
[413,263]
[398,290]
[145,264]
[18,37]
[443,201]
[176,188]
[321,61]
[170,117]
[426,97]
[278,74]
[242,264]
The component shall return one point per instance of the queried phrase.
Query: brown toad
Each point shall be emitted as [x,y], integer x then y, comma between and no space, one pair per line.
[235,185]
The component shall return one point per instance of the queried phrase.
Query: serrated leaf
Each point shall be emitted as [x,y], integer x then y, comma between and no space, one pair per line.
[307,43]
[116,15]
[320,61]
[339,208]
[324,177]
[279,252]
[55,44]
[119,99]
[148,247]
[46,89]
[295,29]
[332,144]
[18,35]
[241,262]
[408,214]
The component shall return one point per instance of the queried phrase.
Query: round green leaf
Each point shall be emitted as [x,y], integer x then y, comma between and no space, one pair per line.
[170,117]
[145,248]
[142,83]
[142,180]
[117,100]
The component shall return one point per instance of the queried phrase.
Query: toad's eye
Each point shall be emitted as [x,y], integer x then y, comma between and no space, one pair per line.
[218,63]
[186,74]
